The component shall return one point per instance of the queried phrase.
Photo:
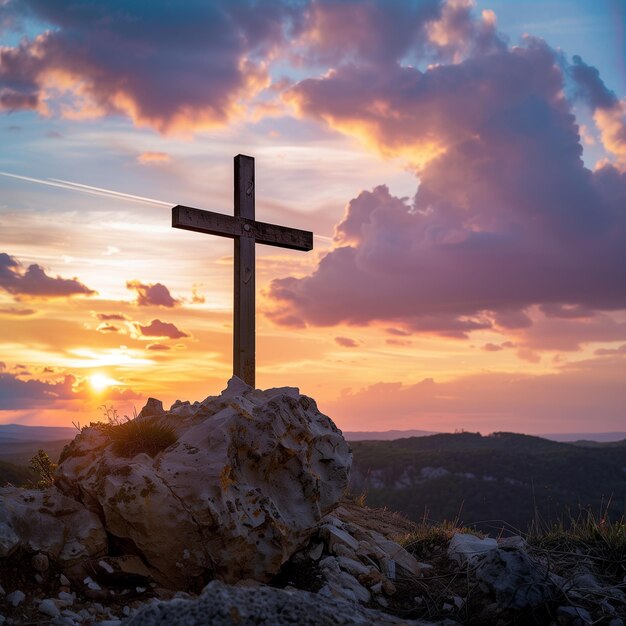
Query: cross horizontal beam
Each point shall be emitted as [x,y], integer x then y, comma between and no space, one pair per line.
[201,221]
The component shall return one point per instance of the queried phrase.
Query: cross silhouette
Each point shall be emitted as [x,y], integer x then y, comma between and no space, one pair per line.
[246,231]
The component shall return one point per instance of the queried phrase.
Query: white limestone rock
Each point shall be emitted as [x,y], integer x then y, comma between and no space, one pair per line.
[466,548]
[15,598]
[49,523]
[223,605]
[49,608]
[251,474]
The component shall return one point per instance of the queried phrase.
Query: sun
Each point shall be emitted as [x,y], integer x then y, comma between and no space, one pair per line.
[100,382]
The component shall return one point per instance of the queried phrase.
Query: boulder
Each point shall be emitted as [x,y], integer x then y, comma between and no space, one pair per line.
[242,487]
[50,524]
[518,581]
[223,605]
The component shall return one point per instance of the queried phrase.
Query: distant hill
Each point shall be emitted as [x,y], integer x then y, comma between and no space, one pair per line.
[18,444]
[390,435]
[486,481]
[576,437]
[18,432]
[385,435]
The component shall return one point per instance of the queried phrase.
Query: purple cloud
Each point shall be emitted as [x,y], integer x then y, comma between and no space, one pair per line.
[157,328]
[34,282]
[346,342]
[142,62]
[506,214]
[111,317]
[152,294]
[16,394]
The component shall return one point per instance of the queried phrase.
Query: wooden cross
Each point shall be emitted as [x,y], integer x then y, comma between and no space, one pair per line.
[246,231]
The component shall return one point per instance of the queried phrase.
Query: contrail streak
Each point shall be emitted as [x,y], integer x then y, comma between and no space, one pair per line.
[94,191]
[108,193]
[118,194]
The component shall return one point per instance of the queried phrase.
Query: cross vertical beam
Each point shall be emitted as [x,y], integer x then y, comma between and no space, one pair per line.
[246,231]
[244,299]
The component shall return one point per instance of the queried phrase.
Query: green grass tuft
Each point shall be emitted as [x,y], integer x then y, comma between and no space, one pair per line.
[149,435]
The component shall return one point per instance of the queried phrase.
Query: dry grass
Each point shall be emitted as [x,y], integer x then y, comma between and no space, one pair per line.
[587,540]
[148,435]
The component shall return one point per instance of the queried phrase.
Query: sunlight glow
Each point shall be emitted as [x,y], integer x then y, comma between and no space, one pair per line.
[100,382]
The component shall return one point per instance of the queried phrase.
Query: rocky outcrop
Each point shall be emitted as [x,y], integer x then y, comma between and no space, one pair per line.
[48,525]
[243,486]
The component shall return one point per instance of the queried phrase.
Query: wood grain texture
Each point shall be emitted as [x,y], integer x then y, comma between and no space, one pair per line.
[201,221]
[244,347]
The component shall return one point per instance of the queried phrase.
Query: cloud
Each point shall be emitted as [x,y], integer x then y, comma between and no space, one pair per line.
[346,342]
[398,332]
[196,297]
[18,394]
[492,347]
[157,328]
[506,215]
[96,60]
[568,334]
[490,401]
[22,394]
[376,32]
[35,283]
[111,317]
[609,111]
[152,294]
[11,310]
[158,346]
[146,158]
[398,342]
[108,328]
[611,351]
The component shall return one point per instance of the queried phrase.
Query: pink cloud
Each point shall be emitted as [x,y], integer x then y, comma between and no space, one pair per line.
[492,347]
[346,342]
[16,311]
[154,294]
[611,351]
[33,282]
[157,328]
[559,402]
[398,332]
[398,342]
[551,333]
[153,157]
[506,215]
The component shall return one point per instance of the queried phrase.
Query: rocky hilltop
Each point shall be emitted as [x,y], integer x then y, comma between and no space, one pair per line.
[233,511]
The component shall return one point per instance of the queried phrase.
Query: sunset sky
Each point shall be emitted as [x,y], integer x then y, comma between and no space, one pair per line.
[462,166]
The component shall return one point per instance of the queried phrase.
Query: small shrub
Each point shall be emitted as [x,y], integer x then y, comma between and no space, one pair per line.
[44,468]
[141,435]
